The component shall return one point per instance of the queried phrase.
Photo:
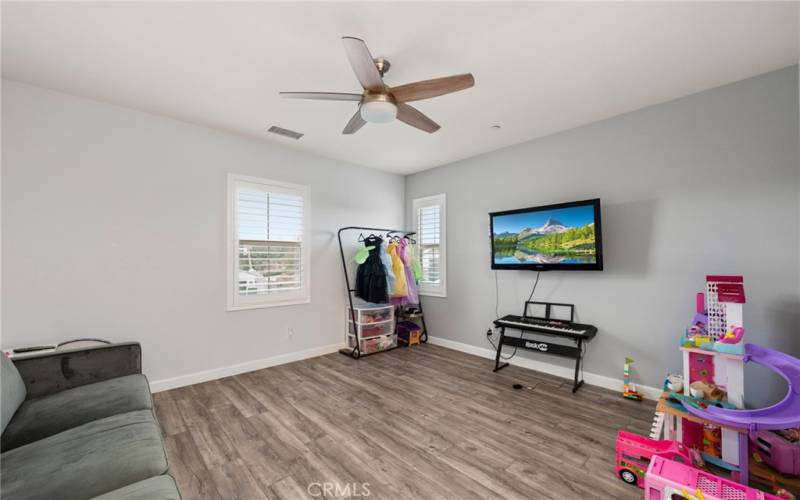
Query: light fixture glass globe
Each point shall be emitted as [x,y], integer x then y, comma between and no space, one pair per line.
[378,111]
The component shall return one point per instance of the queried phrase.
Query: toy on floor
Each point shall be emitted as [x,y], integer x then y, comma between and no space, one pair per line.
[628,389]
[409,333]
[634,452]
[668,479]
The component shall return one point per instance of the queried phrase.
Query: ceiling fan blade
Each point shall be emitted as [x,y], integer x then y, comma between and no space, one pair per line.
[415,118]
[355,123]
[362,63]
[322,96]
[432,88]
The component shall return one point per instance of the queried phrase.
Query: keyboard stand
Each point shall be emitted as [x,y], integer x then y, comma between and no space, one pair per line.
[521,342]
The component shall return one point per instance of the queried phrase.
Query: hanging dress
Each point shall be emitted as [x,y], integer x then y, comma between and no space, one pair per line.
[400,286]
[411,277]
[371,275]
[386,260]
[416,265]
[411,296]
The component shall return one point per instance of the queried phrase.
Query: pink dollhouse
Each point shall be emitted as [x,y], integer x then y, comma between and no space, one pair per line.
[705,414]
[717,313]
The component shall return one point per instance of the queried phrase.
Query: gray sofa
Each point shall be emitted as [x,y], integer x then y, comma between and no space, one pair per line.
[79,424]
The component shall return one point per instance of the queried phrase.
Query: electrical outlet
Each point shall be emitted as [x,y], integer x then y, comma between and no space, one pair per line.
[290,332]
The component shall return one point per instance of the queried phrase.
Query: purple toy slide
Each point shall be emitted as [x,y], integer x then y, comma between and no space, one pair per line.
[782,415]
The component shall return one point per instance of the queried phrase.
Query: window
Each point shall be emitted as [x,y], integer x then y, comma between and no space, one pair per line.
[429,224]
[268,244]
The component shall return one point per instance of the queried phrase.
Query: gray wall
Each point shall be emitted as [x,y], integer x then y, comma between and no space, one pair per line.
[114,225]
[706,184]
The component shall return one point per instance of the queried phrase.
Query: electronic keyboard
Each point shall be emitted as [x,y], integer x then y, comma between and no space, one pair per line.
[575,332]
[549,326]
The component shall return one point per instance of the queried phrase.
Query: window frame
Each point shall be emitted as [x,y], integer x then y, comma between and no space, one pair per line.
[440,200]
[234,300]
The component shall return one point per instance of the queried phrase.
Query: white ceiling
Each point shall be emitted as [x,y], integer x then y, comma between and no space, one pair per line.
[539,67]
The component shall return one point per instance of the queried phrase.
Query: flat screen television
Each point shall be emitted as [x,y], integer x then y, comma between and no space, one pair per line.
[566,236]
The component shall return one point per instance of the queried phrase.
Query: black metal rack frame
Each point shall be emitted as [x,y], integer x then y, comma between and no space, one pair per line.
[355,352]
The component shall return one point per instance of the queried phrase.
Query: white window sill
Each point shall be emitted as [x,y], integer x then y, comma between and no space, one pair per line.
[244,307]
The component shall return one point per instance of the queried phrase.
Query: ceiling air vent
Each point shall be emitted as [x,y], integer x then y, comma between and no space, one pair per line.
[284,132]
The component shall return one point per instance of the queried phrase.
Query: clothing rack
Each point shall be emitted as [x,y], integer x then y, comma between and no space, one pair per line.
[355,352]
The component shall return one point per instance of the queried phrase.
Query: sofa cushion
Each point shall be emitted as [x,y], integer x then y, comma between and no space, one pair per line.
[49,415]
[155,488]
[86,461]
[12,390]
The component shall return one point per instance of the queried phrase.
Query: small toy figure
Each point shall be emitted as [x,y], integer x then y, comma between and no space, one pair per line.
[712,440]
[698,494]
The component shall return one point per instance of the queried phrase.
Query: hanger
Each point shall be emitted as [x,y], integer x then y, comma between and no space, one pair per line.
[408,237]
[362,239]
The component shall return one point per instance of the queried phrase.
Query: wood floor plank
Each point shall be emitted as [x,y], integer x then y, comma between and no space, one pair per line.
[420,423]
[289,489]
[168,413]
[187,466]
[235,482]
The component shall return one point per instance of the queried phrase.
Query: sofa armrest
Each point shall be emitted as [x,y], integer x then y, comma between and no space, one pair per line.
[56,371]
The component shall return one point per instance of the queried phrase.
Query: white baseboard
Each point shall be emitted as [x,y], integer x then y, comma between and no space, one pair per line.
[227,371]
[540,366]
[483,352]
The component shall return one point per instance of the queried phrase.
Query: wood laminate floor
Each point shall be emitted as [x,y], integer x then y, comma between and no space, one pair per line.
[419,423]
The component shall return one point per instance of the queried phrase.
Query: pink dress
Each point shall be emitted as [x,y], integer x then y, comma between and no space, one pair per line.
[412,296]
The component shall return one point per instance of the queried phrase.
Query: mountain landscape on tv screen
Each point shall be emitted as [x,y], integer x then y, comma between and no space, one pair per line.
[552,243]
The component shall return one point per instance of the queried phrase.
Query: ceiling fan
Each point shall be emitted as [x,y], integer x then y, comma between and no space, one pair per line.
[380,103]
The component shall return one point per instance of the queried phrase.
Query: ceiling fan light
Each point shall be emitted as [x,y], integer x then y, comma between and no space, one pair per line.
[378,111]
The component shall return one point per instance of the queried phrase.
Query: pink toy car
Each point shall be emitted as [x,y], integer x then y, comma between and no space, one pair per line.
[667,479]
[781,454]
[634,453]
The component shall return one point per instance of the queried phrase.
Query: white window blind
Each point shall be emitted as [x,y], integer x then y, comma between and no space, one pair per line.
[270,258]
[430,217]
